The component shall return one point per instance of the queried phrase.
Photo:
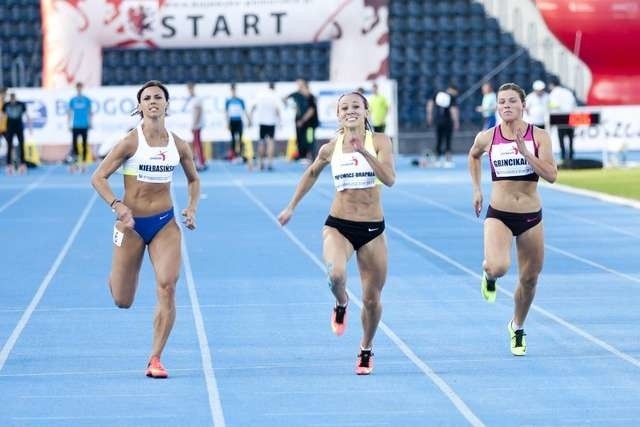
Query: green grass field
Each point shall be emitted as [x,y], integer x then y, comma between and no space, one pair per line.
[617,182]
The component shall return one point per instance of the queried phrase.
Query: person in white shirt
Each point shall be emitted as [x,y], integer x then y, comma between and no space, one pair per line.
[562,100]
[488,106]
[197,123]
[537,105]
[266,113]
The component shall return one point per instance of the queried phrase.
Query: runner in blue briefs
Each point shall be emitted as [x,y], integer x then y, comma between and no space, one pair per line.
[147,157]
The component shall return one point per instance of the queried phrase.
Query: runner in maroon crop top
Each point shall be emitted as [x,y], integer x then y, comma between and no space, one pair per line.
[519,153]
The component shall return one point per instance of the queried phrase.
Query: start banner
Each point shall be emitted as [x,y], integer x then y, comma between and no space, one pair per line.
[76,31]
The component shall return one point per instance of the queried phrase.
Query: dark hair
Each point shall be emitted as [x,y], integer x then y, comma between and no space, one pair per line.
[153,83]
[514,87]
[367,125]
[150,83]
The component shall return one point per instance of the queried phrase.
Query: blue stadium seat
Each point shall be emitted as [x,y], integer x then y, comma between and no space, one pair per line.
[477,9]
[413,23]
[445,8]
[397,8]
[476,23]
[220,56]
[396,39]
[429,23]
[461,7]
[492,23]
[271,56]
[412,55]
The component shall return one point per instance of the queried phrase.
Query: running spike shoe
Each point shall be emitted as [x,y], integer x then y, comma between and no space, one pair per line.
[339,319]
[488,288]
[155,369]
[518,343]
[364,362]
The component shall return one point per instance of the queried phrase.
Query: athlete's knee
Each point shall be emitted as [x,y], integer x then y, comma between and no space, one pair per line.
[336,275]
[495,269]
[120,299]
[528,280]
[166,289]
[371,301]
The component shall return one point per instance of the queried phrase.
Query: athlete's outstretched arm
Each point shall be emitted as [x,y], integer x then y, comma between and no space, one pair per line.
[309,177]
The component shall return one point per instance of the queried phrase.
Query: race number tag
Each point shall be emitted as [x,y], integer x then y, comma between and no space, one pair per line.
[118,236]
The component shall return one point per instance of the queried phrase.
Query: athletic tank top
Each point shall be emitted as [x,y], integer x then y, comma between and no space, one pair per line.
[152,164]
[506,162]
[351,170]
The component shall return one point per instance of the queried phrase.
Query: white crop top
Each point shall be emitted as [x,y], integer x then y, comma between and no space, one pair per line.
[351,170]
[152,164]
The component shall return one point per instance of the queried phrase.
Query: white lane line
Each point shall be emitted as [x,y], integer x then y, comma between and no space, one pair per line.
[215,405]
[552,248]
[26,190]
[593,194]
[435,378]
[24,319]
[572,217]
[593,264]
[603,344]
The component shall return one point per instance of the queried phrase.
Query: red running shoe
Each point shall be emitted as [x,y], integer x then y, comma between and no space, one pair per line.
[364,362]
[339,319]
[155,368]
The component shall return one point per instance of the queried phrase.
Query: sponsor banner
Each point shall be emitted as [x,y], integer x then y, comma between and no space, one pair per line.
[76,31]
[619,129]
[112,107]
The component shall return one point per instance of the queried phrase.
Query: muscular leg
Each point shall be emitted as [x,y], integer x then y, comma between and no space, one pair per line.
[372,263]
[125,267]
[497,248]
[336,251]
[164,251]
[530,246]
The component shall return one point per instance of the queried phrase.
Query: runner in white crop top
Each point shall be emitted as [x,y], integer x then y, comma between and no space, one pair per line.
[356,222]
[144,216]
[351,170]
[152,164]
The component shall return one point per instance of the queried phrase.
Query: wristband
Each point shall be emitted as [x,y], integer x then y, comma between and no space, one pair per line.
[114,203]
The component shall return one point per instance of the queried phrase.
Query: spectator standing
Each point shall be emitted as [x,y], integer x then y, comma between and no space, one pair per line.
[379,109]
[266,113]
[3,117]
[197,123]
[15,112]
[236,113]
[79,117]
[488,106]
[562,100]
[306,119]
[537,105]
[442,111]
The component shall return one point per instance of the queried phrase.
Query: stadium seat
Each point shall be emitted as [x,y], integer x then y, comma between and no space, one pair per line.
[397,8]
[477,9]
